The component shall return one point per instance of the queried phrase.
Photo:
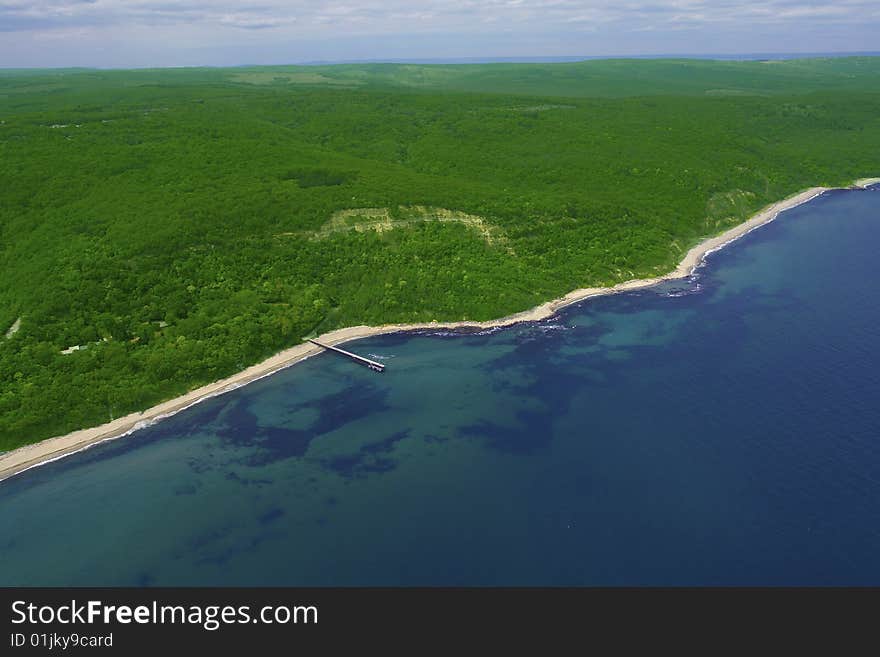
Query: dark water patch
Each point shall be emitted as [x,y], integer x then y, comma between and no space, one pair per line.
[144,579]
[513,440]
[343,465]
[246,481]
[194,419]
[206,539]
[386,444]
[271,515]
[358,465]
[368,459]
[533,429]
[528,351]
[274,443]
[277,444]
[347,406]
[239,426]
[199,466]
[632,302]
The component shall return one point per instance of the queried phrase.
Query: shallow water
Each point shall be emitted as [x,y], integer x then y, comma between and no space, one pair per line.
[720,430]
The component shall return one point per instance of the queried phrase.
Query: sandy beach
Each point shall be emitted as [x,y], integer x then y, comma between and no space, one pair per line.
[24,458]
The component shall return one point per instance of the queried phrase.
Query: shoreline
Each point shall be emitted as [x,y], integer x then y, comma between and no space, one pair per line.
[51,449]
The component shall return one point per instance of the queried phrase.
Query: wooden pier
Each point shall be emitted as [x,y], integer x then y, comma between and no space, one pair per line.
[373,365]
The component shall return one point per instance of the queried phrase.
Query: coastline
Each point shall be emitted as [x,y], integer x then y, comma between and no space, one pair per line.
[52,449]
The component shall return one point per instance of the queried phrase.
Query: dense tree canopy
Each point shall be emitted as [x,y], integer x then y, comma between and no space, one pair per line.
[173,223]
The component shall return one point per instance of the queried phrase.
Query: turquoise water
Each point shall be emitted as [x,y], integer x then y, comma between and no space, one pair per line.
[719,430]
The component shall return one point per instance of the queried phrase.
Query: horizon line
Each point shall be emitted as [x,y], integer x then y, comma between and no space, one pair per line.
[487,59]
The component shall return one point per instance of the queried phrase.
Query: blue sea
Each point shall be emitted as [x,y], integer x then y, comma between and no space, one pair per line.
[719,430]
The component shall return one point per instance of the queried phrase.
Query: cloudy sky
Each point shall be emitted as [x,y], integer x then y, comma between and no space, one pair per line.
[120,33]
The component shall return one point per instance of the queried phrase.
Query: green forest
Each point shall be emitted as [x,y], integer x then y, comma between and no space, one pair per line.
[161,229]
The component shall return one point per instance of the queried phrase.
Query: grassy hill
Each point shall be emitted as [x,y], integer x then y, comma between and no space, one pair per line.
[178,225]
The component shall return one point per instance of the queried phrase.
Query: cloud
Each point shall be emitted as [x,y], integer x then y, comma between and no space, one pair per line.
[401,15]
[467,24]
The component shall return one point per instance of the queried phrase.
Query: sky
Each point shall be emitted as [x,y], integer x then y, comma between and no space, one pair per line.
[138,33]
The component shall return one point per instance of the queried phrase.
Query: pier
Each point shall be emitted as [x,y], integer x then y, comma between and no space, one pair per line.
[373,365]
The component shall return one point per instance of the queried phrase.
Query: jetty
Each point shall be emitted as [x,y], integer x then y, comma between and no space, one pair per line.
[373,365]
